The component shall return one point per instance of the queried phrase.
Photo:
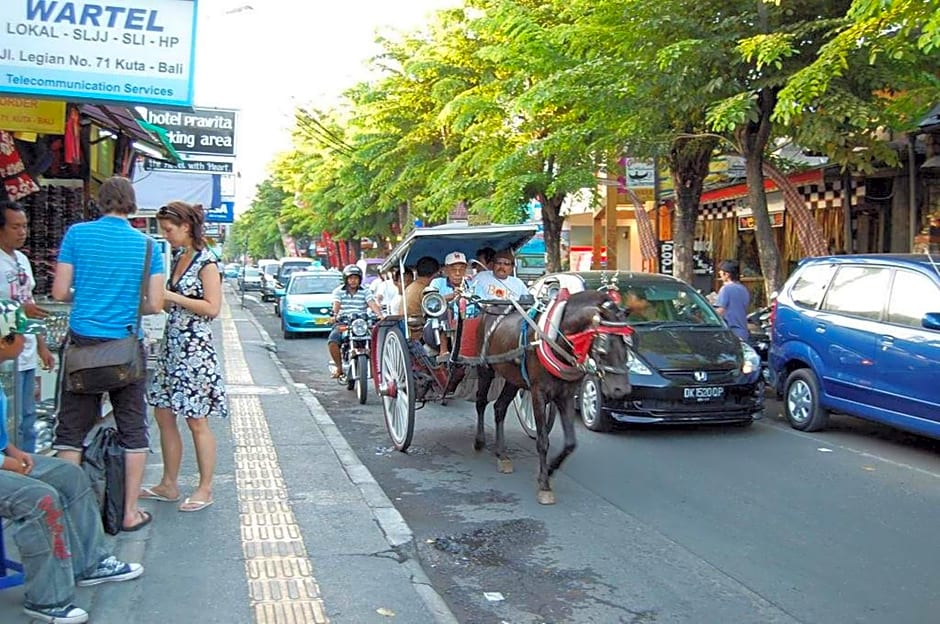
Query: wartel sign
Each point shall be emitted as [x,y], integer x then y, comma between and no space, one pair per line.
[137,51]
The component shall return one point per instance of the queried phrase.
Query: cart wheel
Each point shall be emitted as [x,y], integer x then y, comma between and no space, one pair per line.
[397,391]
[522,404]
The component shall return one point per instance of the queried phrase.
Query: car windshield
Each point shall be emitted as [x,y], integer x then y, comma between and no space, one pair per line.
[667,303]
[271,269]
[314,284]
[252,272]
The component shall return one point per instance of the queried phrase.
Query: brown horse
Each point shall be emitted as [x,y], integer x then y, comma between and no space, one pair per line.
[506,343]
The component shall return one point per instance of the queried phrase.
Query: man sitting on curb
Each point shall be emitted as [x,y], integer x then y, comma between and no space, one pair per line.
[55,513]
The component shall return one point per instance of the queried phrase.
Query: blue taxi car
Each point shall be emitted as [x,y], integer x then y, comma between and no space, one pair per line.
[307,301]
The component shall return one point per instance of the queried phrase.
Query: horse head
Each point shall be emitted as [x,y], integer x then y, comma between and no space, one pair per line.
[598,314]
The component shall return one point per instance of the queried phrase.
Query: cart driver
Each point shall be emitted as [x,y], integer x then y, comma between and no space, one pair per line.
[500,283]
[349,298]
[451,285]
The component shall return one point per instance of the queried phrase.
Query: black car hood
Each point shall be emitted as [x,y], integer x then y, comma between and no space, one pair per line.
[689,347]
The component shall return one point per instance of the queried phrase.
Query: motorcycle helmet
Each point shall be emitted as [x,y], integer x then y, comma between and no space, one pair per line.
[349,270]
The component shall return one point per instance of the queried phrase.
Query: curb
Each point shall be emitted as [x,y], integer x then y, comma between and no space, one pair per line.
[394,527]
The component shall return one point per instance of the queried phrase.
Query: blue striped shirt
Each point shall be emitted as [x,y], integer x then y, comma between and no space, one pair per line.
[351,304]
[108,260]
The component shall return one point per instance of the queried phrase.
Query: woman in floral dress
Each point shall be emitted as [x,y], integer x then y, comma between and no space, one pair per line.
[188,379]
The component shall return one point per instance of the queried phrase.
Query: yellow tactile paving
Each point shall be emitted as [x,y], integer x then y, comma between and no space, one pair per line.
[281,585]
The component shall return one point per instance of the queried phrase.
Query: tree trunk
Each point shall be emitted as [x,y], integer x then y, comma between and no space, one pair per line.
[551,223]
[753,138]
[688,162]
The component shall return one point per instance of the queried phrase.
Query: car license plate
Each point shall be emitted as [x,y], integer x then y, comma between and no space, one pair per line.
[323,321]
[703,393]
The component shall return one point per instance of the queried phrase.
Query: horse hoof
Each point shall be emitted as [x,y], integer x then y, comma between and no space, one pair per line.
[546,497]
[504,465]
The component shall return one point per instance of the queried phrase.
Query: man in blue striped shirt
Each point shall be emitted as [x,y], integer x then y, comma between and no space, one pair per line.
[349,298]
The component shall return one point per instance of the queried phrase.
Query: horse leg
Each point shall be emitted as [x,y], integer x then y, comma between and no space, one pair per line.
[545,494]
[503,463]
[485,376]
[565,404]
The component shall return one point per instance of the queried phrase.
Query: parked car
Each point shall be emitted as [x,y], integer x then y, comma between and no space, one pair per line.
[231,270]
[308,301]
[269,280]
[686,366]
[250,279]
[370,269]
[860,335]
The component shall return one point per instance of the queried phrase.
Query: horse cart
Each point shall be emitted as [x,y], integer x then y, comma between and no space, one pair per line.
[406,375]
[540,350]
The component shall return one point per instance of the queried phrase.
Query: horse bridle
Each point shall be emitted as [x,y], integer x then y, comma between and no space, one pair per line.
[601,344]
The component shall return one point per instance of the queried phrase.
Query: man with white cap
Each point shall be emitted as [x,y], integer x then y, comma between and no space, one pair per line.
[450,285]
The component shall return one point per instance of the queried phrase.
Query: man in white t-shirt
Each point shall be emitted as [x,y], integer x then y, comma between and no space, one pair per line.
[17,283]
[499,283]
[384,290]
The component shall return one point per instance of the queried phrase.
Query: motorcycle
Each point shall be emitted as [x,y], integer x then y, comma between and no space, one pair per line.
[355,350]
[759,325]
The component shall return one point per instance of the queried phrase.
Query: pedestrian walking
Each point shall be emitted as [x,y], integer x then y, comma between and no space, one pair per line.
[16,274]
[188,380]
[733,298]
[54,512]
[100,271]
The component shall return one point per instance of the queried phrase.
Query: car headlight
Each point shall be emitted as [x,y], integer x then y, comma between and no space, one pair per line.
[359,328]
[751,359]
[636,365]
[295,307]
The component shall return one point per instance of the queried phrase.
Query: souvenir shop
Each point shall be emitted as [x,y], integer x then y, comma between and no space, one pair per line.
[53,157]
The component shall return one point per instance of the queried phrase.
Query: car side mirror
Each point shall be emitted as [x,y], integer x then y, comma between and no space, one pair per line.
[931,320]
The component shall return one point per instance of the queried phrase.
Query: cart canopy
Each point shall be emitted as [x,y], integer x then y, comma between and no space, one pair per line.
[439,241]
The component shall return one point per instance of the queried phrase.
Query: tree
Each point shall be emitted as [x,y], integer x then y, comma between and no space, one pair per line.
[255,232]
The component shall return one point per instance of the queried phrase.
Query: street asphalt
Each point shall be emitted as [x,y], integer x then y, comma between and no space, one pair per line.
[299,530]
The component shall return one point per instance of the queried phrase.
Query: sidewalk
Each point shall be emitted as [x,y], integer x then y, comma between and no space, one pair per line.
[299,532]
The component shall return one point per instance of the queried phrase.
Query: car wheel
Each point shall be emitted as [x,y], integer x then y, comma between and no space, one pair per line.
[801,402]
[591,403]
[277,310]
[288,335]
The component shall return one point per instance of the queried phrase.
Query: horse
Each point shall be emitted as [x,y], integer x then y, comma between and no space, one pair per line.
[507,344]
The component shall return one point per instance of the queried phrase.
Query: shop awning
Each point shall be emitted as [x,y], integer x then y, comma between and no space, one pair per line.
[129,122]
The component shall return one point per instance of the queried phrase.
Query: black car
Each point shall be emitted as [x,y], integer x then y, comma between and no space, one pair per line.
[686,366]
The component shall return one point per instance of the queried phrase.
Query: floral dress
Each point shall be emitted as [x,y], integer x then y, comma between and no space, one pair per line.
[188,379]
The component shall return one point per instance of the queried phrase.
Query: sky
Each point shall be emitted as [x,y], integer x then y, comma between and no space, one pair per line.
[264,57]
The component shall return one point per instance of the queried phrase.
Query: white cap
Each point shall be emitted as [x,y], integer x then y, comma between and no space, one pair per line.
[455,257]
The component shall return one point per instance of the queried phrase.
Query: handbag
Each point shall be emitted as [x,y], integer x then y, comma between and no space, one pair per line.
[110,364]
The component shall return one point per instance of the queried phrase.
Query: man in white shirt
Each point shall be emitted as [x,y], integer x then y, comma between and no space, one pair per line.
[17,283]
[500,283]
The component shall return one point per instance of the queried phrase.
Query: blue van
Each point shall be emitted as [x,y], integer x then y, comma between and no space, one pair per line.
[860,335]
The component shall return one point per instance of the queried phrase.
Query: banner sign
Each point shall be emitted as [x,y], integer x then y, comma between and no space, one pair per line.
[137,51]
[190,166]
[225,213]
[205,131]
[30,115]
[746,222]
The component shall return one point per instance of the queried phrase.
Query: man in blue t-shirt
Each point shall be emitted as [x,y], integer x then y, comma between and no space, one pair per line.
[733,299]
[54,512]
[100,270]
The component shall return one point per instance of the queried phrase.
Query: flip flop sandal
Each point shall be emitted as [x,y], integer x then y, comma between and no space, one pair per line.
[146,520]
[189,505]
[148,493]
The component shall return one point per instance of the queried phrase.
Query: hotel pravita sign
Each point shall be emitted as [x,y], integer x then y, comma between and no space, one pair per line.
[135,51]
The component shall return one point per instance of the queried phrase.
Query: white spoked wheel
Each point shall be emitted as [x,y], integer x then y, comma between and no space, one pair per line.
[397,389]
[522,404]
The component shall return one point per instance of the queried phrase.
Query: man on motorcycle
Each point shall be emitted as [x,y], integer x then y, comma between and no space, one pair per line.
[349,298]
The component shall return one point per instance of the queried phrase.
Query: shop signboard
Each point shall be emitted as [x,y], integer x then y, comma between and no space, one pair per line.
[701,257]
[128,51]
[746,222]
[32,115]
[203,131]
[225,213]
[190,166]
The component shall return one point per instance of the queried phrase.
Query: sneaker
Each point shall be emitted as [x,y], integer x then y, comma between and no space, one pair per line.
[111,570]
[66,614]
